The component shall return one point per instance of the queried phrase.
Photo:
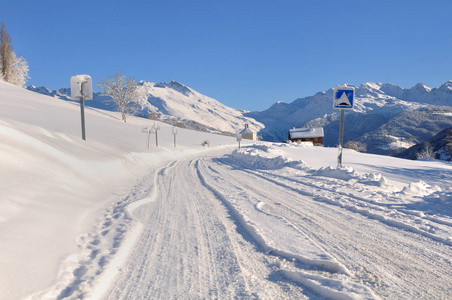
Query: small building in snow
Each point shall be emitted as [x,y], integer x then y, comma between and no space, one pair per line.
[248,134]
[314,135]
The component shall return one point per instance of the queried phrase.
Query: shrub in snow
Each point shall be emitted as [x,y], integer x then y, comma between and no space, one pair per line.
[427,152]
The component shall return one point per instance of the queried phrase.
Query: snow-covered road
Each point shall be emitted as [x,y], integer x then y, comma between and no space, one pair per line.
[191,248]
[212,228]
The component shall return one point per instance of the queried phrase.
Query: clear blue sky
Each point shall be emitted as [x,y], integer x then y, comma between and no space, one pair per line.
[247,54]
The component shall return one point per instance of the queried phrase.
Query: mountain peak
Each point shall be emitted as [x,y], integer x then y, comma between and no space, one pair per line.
[179,87]
[446,86]
[420,87]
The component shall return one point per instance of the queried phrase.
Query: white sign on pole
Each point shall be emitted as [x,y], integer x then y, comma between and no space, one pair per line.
[147,130]
[82,89]
[156,128]
[81,86]
[239,138]
[343,97]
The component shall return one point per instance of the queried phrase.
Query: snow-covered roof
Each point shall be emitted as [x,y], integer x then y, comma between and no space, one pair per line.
[297,133]
[246,130]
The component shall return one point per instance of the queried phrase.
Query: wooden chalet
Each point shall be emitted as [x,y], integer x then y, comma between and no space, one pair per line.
[314,135]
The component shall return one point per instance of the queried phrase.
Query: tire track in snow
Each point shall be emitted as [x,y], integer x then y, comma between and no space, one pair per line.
[190,248]
[395,263]
[385,213]
[243,205]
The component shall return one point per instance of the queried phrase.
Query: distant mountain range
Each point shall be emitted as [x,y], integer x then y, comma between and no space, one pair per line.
[388,118]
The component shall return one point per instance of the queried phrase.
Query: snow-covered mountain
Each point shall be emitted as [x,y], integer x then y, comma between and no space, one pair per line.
[386,117]
[174,102]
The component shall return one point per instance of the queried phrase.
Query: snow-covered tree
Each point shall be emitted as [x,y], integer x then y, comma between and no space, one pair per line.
[123,92]
[18,70]
[427,152]
[13,69]
[357,146]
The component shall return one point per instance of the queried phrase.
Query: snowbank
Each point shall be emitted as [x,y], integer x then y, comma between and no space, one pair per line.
[55,185]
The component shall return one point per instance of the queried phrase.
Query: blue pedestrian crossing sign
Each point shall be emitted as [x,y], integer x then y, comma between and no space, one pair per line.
[343,97]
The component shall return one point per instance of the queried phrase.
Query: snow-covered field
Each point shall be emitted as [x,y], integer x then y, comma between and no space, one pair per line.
[107,219]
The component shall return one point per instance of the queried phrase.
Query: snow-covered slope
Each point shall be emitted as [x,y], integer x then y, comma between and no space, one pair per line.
[172,102]
[52,183]
[388,118]
[107,219]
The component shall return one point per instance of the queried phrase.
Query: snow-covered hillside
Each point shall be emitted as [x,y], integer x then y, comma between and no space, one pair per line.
[172,102]
[386,117]
[54,185]
[107,219]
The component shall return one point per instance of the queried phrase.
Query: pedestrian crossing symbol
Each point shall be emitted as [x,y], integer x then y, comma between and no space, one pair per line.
[343,97]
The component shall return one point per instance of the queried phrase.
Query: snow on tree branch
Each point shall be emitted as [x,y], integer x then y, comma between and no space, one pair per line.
[123,92]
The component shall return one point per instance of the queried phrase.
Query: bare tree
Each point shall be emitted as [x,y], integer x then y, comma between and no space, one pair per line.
[18,70]
[123,92]
[13,69]
[427,152]
[448,144]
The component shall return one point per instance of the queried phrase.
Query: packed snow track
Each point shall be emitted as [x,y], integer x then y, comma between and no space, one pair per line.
[211,228]
[191,248]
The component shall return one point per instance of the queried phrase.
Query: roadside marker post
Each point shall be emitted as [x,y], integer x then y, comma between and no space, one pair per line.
[174,133]
[239,138]
[147,130]
[82,89]
[343,99]
[156,128]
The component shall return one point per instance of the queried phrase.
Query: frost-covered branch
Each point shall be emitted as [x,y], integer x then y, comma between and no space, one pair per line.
[13,69]
[123,92]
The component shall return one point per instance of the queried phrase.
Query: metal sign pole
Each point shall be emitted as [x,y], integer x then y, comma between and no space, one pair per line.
[341,139]
[343,98]
[156,139]
[82,111]
[82,89]
[149,138]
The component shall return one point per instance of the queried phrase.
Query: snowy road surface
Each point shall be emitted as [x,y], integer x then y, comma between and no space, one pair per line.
[191,248]
[225,226]
[215,229]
